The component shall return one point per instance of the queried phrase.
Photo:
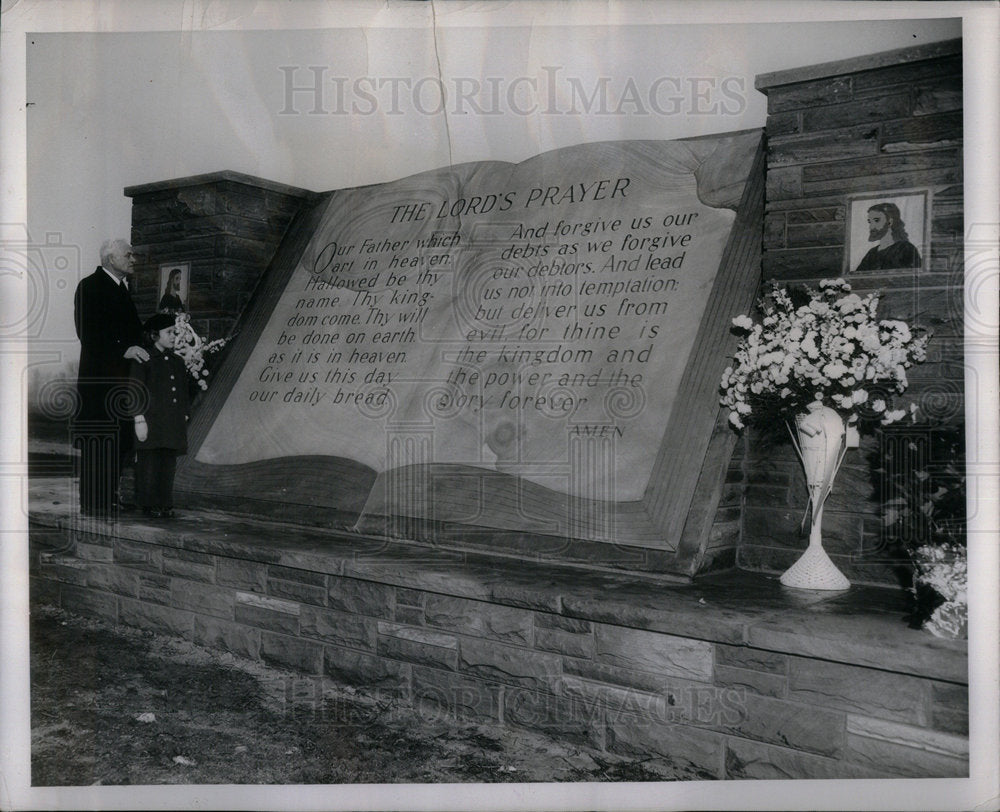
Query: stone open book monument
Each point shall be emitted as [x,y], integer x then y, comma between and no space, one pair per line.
[518,357]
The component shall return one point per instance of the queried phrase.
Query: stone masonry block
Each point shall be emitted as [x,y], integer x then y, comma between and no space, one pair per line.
[808,94]
[784,123]
[204,599]
[884,165]
[875,183]
[564,718]
[139,555]
[291,652]
[783,528]
[338,628]
[508,664]
[835,145]
[816,234]
[410,597]
[297,591]
[299,576]
[877,80]
[683,700]
[247,575]
[650,651]
[427,636]
[193,556]
[268,613]
[189,565]
[618,700]
[774,230]
[949,708]
[88,602]
[233,637]
[566,624]
[95,552]
[727,514]
[417,646]
[802,263]
[771,496]
[113,579]
[154,588]
[690,749]
[455,696]
[866,691]
[932,741]
[71,538]
[625,677]
[800,727]
[724,535]
[361,597]
[753,681]
[732,494]
[568,643]
[162,619]
[823,214]
[267,602]
[891,759]
[66,570]
[862,111]
[784,183]
[479,619]
[409,615]
[746,759]
[938,307]
[365,670]
[942,96]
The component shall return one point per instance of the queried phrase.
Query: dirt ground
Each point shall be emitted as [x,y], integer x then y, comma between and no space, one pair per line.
[121,706]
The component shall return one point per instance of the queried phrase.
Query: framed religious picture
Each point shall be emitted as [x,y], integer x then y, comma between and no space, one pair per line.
[174,280]
[888,231]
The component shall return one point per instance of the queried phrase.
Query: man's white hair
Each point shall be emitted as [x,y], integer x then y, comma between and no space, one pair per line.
[111,247]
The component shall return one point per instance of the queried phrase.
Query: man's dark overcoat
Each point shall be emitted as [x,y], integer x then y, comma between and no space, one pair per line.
[107,324]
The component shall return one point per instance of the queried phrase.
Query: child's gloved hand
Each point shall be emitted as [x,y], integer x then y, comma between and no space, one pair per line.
[141,431]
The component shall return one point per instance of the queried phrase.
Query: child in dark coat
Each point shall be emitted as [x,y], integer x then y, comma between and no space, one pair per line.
[161,426]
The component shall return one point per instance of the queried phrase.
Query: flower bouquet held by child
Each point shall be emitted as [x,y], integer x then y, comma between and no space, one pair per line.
[192,348]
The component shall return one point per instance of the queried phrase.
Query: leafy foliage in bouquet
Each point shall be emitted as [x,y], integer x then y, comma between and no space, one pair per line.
[921,483]
[921,486]
[826,345]
[192,348]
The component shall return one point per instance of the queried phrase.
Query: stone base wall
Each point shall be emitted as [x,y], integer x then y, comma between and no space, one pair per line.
[715,710]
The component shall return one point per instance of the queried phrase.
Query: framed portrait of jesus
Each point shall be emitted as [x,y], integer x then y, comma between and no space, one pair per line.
[888,231]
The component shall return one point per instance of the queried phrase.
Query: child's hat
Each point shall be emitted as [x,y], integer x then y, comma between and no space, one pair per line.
[161,321]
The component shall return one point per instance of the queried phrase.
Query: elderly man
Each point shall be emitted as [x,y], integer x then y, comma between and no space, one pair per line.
[110,332]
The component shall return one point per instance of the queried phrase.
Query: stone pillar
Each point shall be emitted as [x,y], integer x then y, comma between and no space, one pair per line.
[225,225]
[868,126]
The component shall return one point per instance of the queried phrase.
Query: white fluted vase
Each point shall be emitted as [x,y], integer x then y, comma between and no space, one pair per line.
[821,440]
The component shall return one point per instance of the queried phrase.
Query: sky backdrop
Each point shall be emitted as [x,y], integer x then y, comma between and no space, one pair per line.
[408,88]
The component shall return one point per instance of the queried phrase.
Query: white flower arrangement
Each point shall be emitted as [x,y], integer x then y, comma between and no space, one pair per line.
[192,348]
[945,568]
[830,349]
